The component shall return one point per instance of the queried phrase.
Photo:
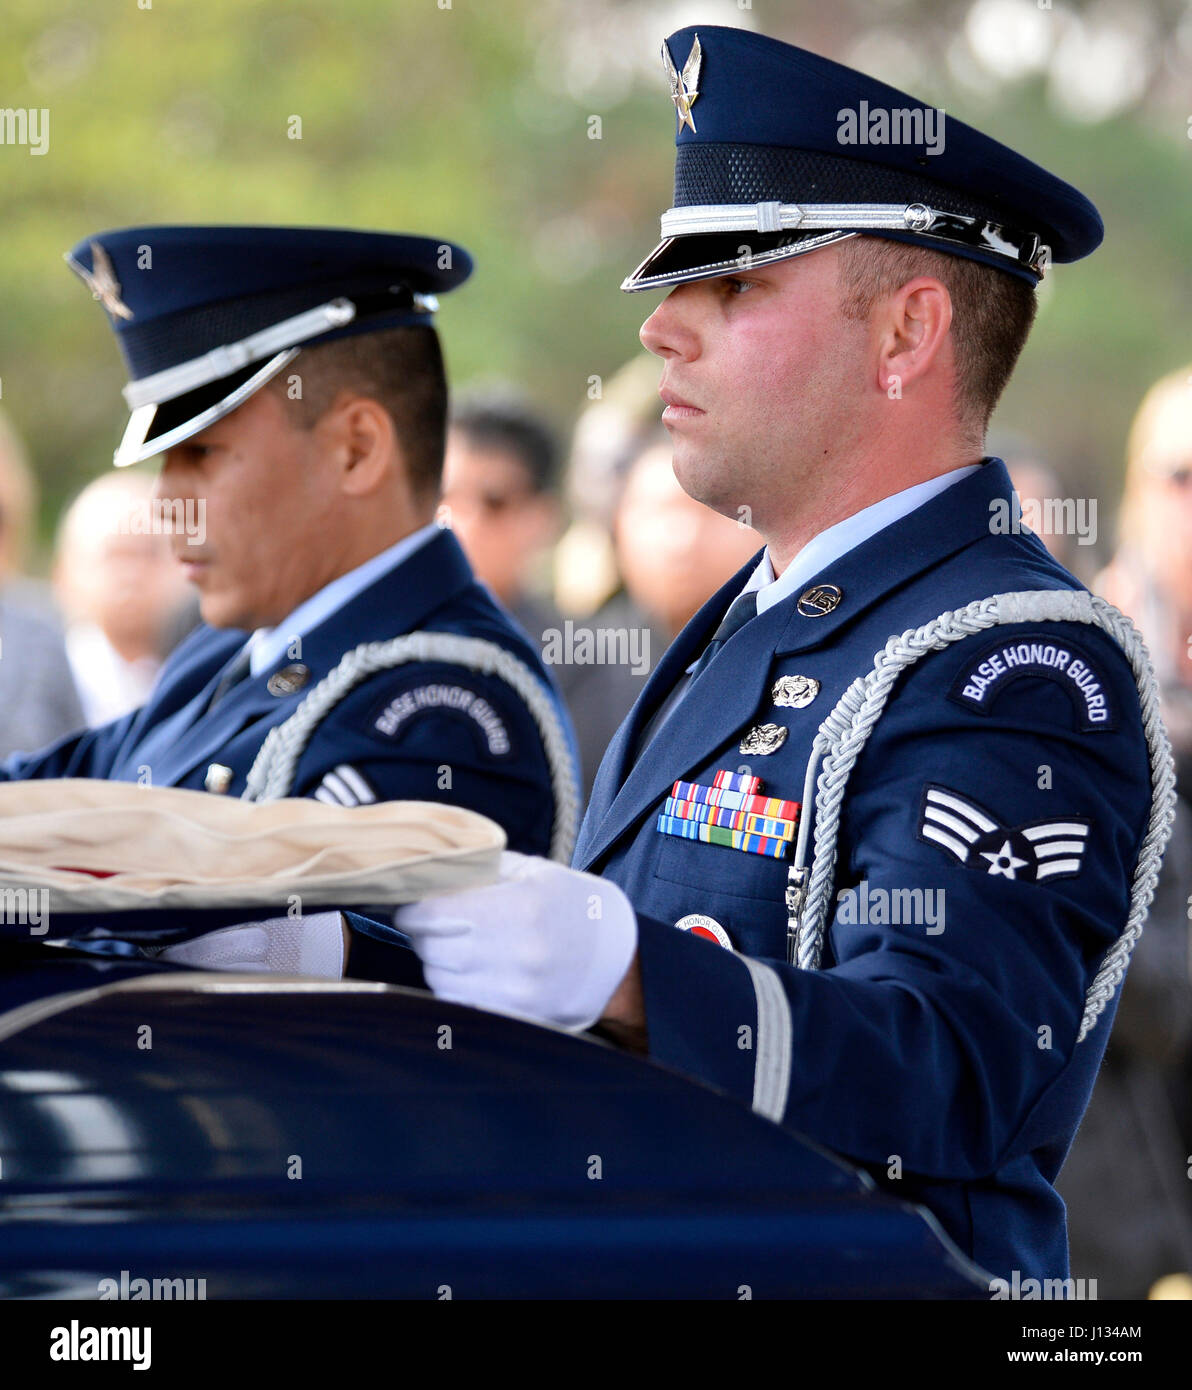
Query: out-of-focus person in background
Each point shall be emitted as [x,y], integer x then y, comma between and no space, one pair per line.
[1150,574]
[639,559]
[38,700]
[124,597]
[500,498]
[673,552]
[1126,1178]
[639,562]
[1045,502]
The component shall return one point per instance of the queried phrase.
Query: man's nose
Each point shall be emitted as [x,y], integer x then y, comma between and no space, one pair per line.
[170,481]
[670,330]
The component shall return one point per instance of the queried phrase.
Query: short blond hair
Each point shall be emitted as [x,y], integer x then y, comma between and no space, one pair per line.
[992,311]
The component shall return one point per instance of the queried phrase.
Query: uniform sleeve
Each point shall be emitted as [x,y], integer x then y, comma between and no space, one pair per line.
[440,732]
[85,754]
[986,852]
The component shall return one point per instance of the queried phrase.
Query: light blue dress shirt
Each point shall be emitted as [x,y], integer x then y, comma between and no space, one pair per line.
[269,644]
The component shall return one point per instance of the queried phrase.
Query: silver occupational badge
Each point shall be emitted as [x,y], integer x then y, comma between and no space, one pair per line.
[218,778]
[764,738]
[684,85]
[288,680]
[795,692]
[819,600]
[101,279]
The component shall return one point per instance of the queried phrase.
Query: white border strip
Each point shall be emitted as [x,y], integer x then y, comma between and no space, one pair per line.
[772,1043]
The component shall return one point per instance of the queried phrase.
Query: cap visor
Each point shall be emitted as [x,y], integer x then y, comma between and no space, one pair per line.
[705,257]
[152,429]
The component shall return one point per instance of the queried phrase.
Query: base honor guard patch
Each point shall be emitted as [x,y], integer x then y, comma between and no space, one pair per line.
[994,667]
[1036,852]
[733,813]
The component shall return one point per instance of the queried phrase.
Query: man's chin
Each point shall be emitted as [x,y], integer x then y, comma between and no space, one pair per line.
[217,610]
[704,480]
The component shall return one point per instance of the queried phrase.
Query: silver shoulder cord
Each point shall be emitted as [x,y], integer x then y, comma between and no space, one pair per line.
[843,734]
[272,772]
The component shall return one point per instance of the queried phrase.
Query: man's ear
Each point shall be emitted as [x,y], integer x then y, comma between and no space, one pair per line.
[361,436]
[912,328]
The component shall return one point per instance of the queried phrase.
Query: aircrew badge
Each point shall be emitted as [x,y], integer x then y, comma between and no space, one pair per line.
[794,692]
[763,739]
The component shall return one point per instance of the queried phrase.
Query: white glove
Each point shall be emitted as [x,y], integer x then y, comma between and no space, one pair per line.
[546,943]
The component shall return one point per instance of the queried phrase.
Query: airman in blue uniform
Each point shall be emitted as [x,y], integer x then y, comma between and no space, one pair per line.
[292,380]
[889,813]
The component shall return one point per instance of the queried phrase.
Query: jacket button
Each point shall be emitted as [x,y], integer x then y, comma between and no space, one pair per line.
[218,778]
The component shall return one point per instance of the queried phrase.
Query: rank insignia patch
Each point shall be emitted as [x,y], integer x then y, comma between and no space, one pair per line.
[1036,852]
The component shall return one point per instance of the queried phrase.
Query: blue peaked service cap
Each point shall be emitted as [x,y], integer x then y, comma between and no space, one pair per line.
[205,316]
[782,151]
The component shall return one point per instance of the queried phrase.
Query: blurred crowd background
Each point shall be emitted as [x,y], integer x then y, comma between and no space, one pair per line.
[539,134]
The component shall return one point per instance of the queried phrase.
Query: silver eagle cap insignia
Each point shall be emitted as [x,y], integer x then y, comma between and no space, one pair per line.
[684,86]
[101,281]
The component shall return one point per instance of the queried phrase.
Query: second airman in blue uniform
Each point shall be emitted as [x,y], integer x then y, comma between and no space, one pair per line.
[292,381]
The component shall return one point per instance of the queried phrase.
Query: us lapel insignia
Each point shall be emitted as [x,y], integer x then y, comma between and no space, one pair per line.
[795,692]
[763,739]
[819,600]
[684,86]
[289,680]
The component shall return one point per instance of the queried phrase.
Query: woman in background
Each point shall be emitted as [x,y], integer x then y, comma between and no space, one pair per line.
[38,700]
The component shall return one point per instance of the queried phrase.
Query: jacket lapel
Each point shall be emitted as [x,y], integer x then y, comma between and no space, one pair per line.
[713,710]
[617,763]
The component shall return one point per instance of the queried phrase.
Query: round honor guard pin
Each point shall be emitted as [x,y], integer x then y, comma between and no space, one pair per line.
[794,692]
[289,680]
[699,924]
[819,600]
[763,739]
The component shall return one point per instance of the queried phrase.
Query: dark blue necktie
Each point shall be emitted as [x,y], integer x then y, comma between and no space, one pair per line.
[236,670]
[743,608]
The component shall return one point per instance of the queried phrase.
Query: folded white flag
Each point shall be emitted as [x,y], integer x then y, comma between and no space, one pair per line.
[113,846]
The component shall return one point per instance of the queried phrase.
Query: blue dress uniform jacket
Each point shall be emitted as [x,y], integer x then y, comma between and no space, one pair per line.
[939,1053]
[409,732]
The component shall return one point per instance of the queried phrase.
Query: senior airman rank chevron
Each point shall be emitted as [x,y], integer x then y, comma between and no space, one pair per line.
[1036,852]
[731,813]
